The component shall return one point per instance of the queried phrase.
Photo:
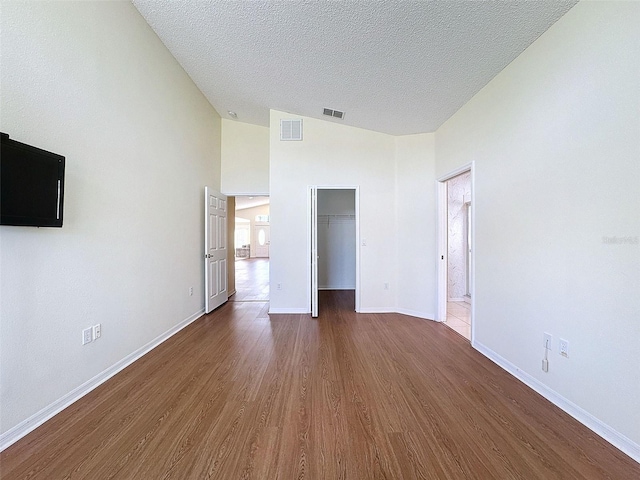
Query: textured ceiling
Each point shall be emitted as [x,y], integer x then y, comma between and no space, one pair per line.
[398,67]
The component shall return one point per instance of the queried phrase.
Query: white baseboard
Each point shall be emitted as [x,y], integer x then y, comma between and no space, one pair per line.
[612,436]
[14,434]
[297,311]
[415,313]
[378,310]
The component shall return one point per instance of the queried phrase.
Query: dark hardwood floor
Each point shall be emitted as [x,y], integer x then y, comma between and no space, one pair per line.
[239,394]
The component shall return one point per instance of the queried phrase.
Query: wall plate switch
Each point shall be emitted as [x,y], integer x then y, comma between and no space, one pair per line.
[547,341]
[97,331]
[191,291]
[564,347]
[87,335]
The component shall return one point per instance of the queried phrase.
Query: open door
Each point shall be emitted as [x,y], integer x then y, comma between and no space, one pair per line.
[313,191]
[215,255]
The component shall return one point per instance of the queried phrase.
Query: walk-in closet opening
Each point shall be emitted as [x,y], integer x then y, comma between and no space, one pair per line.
[334,246]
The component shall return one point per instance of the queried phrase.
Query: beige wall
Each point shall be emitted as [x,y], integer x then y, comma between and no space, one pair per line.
[554,138]
[415,230]
[245,158]
[91,81]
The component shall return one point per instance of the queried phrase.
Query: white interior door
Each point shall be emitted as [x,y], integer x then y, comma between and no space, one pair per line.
[262,239]
[314,251]
[215,255]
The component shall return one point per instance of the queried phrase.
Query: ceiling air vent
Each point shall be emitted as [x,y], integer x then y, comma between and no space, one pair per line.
[333,113]
[291,130]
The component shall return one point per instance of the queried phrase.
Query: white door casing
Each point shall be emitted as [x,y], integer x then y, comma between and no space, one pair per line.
[442,244]
[262,239]
[312,246]
[314,252]
[215,255]
[468,252]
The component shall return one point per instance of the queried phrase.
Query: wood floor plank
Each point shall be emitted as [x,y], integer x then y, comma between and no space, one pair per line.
[241,394]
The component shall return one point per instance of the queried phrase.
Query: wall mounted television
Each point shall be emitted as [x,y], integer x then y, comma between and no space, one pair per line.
[31,185]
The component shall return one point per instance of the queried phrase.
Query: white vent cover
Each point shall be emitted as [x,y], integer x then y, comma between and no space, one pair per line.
[290,130]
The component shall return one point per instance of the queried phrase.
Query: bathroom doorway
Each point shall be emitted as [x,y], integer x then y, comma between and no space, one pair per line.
[456,247]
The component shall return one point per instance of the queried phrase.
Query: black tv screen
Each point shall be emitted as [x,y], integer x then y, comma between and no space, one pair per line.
[31,185]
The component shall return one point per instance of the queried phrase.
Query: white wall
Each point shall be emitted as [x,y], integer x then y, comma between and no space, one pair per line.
[555,142]
[245,158]
[396,176]
[336,239]
[416,259]
[91,81]
[331,154]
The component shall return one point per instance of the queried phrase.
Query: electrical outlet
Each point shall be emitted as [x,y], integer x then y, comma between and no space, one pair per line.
[97,331]
[547,341]
[191,291]
[279,286]
[564,347]
[386,286]
[87,335]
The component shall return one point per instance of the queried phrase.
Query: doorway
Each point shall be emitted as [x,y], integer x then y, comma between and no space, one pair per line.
[456,239]
[333,245]
[251,242]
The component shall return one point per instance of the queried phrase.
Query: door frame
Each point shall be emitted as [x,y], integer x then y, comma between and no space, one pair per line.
[443,254]
[312,222]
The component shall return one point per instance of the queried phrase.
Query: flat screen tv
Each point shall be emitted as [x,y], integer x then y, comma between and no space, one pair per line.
[31,185]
